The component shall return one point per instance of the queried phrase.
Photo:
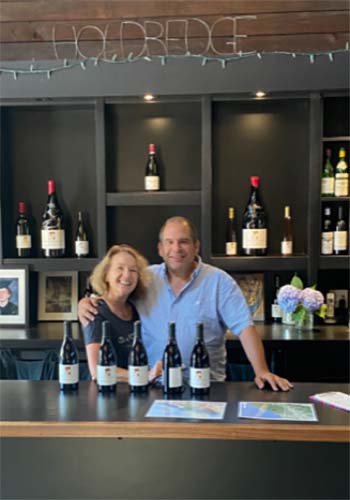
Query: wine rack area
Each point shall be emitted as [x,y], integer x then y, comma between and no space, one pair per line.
[207,147]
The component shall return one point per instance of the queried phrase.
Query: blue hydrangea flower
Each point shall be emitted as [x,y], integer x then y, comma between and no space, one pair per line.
[311,299]
[288,298]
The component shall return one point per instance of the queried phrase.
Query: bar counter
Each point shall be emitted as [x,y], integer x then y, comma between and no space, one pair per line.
[47,335]
[106,447]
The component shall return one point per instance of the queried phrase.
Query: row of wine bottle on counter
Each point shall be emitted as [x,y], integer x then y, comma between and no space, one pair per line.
[254,227]
[335,182]
[53,241]
[199,373]
[334,235]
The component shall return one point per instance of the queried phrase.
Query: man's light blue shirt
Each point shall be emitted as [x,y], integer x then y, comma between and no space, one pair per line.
[211,297]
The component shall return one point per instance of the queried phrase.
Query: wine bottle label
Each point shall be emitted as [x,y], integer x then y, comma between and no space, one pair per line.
[254,238]
[23,241]
[152,183]
[175,377]
[138,375]
[341,186]
[340,238]
[327,243]
[68,374]
[327,186]
[199,378]
[106,375]
[330,305]
[276,311]
[286,247]
[81,247]
[231,248]
[52,239]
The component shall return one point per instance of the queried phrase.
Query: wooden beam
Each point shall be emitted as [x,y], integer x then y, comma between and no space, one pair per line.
[62,10]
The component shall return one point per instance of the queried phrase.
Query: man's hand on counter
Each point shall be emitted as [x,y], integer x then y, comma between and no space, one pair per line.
[276,383]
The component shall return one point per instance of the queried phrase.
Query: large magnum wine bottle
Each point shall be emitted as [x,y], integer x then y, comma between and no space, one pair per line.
[152,171]
[23,236]
[172,374]
[254,225]
[200,366]
[52,226]
[81,239]
[138,363]
[68,361]
[231,236]
[107,362]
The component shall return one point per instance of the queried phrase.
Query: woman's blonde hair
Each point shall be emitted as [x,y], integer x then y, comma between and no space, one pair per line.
[99,274]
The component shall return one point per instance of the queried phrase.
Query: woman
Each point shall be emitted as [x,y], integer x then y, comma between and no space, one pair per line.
[120,276]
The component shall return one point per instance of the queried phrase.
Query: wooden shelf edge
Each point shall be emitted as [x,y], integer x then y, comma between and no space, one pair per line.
[334,262]
[141,198]
[339,138]
[265,263]
[62,264]
[175,430]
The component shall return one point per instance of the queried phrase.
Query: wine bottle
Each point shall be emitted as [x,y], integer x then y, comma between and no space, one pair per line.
[52,226]
[254,226]
[341,184]
[107,362]
[330,303]
[152,179]
[231,236]
[327,233]
[327,183]
[68,361]
[172,373]
[199,367]
[23,233]
[81,239]
[287,240]
[276,311]
[340,235]
[138,363]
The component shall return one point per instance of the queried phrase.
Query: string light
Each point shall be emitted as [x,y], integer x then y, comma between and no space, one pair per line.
[66,65]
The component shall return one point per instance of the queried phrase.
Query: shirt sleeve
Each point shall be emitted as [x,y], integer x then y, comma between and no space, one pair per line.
[233,308]
[93,331]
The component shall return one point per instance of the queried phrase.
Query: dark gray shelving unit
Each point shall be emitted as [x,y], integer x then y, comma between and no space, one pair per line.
[208,147]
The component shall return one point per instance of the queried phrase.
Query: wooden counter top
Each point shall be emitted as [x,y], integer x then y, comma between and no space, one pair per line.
[38,409]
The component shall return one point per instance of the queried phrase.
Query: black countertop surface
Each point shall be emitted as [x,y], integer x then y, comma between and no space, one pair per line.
[50,334]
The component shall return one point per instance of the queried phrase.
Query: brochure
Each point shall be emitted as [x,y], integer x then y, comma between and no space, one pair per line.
[335,399]
[187,409]
[300,412]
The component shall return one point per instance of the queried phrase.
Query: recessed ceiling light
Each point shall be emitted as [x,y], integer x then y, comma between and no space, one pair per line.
[260,93]
[148,97]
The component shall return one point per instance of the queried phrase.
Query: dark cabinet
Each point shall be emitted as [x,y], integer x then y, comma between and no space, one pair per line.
[207,146]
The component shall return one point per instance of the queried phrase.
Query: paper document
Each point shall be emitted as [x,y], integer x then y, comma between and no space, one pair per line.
[338,400]
[300,412]
[187,409]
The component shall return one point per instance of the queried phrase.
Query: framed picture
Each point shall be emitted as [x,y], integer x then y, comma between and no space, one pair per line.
[252,286]
[14,296]
[58,296]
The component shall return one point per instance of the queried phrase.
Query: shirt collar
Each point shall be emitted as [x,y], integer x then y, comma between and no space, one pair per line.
[194,273]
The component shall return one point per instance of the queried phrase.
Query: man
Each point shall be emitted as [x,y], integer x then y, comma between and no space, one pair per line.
[185,290]
[6,306]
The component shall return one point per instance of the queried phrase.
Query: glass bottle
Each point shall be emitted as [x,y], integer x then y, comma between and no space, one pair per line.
[287,240]
[254,224]
[327,183]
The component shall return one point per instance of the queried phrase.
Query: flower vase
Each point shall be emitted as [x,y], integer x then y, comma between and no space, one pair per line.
[287,318]
[307,323]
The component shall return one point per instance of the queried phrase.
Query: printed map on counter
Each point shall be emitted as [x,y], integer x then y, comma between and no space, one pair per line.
[208,410]
[300,412]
